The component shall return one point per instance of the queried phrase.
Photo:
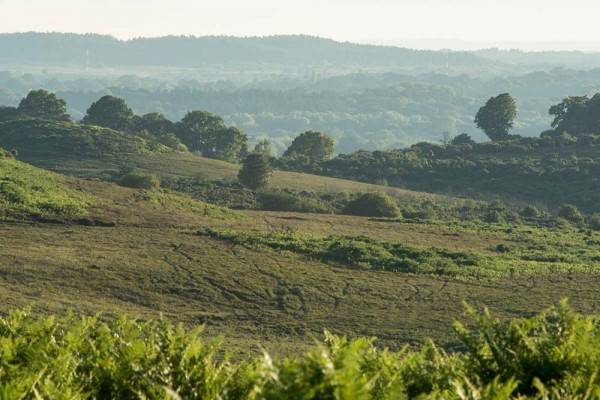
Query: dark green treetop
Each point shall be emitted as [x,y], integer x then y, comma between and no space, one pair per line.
[44,105]
[255,171]
[497,116]
[315,145]
[110,112]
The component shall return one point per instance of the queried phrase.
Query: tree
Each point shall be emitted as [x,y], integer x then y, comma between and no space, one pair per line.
[197,130]
[228,144]
[155,123]
[496,117]
[264,146]
[255,171]
[463,138]
[207,133]
[110,112]
[577,115]
[316,146]
[44,105]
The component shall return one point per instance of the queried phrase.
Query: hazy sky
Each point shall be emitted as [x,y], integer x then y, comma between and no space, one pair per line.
[353,20]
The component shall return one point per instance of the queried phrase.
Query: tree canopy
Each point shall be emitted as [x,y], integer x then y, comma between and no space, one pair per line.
[207,133]
[44,105]
[577,115]
[314,145]
[497,116]
[255,171]
[110,112]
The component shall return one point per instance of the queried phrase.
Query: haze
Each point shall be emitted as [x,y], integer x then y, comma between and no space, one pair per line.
[532,25]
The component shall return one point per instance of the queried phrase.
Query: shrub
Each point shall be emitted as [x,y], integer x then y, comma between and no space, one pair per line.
[570,213]
[530,212]
[140,180]
[277,200]
[593,222]
[375,204]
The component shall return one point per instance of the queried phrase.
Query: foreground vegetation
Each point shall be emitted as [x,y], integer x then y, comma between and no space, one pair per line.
[553,355]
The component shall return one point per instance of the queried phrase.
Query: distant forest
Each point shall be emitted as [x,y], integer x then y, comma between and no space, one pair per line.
[365,97]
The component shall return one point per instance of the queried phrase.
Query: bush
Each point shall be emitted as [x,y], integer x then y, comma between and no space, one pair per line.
[276,200]
[530,212]
[593,222]
[139,180]
[376,204]
[570,213]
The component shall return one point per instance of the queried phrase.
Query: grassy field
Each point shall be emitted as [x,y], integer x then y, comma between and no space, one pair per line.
[152,262]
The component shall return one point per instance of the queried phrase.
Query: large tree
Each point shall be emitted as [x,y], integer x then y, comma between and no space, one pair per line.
[155,123]
[111,112]
[497,116]
[197,129]
[255,171]
[44,105]
[316,146]
[577,115]
[207,133]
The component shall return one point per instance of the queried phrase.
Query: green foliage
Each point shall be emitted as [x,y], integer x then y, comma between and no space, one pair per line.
[462,139]
[553,355]
[255,171]
[206,133]
[361,252]
[577,115]
[140,180]
[44,105]
[316,146]
[110,112]
[497,116]
[42,137]
[8,113]
[570,213]
[26,190]
[281,200]
[377,204]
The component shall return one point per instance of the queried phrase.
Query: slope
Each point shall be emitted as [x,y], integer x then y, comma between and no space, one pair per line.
[150,260]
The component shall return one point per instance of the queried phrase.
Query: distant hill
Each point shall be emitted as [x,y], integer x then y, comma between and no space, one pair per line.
[185,51]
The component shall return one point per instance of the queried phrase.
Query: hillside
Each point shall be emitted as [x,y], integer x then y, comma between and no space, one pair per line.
[547,171]
[145,253]
[37,139]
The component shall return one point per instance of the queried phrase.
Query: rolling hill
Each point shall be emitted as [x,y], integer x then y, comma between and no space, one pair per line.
[145,253]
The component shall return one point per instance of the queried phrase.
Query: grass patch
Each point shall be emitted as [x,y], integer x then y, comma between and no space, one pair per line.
[26,190]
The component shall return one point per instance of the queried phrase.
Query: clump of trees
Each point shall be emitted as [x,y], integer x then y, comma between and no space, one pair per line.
[577,115]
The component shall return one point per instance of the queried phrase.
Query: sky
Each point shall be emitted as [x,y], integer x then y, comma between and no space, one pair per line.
[542,23]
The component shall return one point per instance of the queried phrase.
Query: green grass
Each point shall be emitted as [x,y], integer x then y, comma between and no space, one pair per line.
[26,190]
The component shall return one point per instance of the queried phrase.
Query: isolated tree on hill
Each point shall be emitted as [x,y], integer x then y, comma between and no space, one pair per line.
[314,145]
[497,116]
[45,105]
[110,112]
[255,171]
